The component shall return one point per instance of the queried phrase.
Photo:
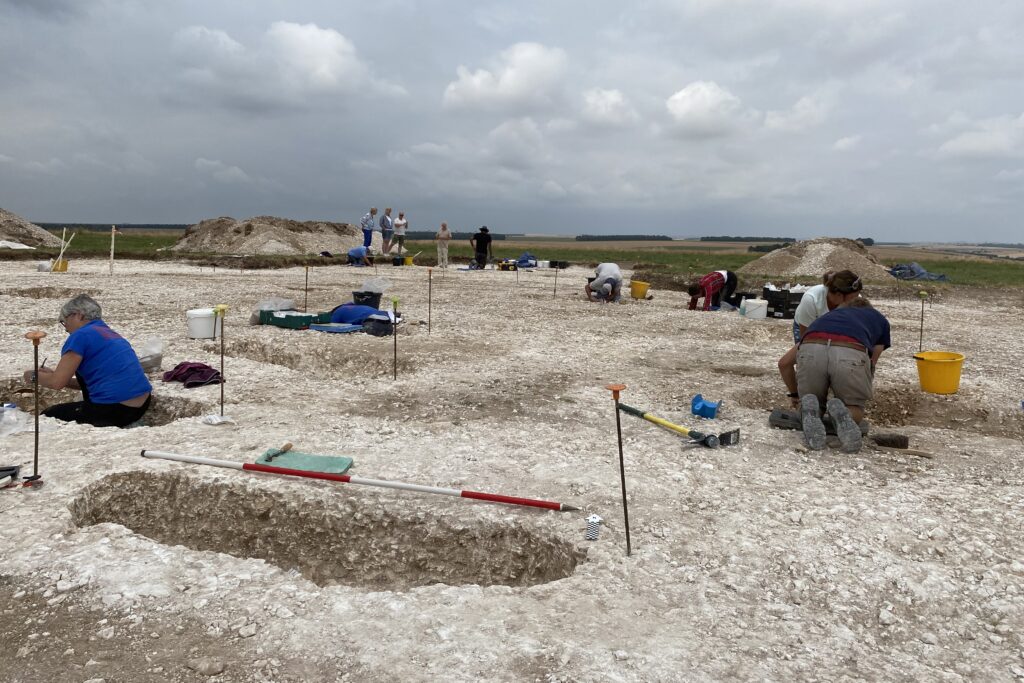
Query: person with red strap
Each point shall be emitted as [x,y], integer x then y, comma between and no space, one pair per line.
[839,352]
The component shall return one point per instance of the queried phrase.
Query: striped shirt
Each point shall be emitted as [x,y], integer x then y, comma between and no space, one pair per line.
[367,222]
[710,284]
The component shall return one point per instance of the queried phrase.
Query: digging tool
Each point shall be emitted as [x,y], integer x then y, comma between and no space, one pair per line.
[36,336]
[287,446]
[63,246]
[615,389]
[729,438]
[349,479]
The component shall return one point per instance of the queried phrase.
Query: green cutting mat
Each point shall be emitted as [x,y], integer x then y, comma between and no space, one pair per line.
[308,462]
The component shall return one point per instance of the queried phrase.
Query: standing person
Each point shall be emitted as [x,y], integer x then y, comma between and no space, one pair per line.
[387,229]
[367,224]
[836,289]
[714,287]
[839,351]
[100,363]
[401,225]
[443,236]
[606,285]
[481,243]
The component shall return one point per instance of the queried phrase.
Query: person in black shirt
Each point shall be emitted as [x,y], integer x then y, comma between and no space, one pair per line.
[481,243]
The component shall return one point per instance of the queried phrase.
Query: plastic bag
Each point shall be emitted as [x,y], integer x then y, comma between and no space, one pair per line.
[273,304]
[151,354]
[15,421]
[377,285]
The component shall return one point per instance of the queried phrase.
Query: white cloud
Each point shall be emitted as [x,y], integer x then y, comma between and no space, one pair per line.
[1007,176]
[290,64]
[607,107]
[809,111]
[4,159]
[703,109]
[222,172]
[994,138]
[847,143]
[51,166]
[517,144]
[431,149]
[552,190]
[526,76]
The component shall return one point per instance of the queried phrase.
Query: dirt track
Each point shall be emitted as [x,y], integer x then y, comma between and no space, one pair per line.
[758,562]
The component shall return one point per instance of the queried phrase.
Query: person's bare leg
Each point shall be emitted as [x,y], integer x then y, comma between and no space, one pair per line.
[787,368]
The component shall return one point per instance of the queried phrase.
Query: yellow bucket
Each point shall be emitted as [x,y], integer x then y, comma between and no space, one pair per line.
[638,289]
[939,371]
[60,266]
[407,260]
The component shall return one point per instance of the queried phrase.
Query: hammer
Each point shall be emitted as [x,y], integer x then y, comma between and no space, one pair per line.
[280,451]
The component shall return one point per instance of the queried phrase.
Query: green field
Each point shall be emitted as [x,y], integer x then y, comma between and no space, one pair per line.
[667,265]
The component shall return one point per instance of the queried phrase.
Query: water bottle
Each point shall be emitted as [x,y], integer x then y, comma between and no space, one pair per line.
[743,306]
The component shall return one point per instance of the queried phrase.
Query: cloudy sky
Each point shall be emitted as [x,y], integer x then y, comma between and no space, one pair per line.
[895,119]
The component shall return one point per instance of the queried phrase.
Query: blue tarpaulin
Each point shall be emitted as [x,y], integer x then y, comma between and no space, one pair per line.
[913,271]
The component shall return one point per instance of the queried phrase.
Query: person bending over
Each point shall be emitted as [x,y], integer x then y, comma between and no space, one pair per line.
[481,243]
[360,256]
[714,287]
[836,289]
[839,351]
[607,285]
[102,364]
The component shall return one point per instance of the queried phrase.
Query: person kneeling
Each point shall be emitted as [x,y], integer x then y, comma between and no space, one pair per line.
[839,352]
[607,285]
[102,364]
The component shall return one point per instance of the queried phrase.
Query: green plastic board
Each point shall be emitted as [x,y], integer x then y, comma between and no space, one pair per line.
[307,462]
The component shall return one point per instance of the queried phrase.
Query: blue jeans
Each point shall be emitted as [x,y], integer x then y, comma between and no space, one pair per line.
[367,237]
[796,333]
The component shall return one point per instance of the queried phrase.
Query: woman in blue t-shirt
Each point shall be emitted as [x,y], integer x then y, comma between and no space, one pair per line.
[102,364]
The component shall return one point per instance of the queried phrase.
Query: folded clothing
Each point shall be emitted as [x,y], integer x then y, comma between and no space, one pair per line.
[193,375]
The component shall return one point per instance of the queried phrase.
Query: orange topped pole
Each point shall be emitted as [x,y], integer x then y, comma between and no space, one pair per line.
[616,389]
[36,336]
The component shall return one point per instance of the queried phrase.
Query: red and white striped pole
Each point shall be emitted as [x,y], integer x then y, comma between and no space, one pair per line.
[349,479]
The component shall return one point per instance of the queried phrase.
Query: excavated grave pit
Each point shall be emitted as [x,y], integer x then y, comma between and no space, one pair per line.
[897,406]
[162,410]
[48,292]
[330,537]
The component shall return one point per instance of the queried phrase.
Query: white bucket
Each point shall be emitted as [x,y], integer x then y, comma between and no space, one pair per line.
[543,264]
[755,309]
[202,322]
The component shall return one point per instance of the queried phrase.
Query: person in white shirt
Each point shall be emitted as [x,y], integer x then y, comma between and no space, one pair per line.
[835,290]
[443,237]
[606,285]
[401,225]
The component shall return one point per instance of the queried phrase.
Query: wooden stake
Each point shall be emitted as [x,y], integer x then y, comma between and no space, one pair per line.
[556,282]
[394,333]
[305,296]
[113,232]
[219,311]
[430,291]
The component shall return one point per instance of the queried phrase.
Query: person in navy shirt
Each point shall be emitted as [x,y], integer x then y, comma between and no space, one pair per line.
[838,352]
[102,364]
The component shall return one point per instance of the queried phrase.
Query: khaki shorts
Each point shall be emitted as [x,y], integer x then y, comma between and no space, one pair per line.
[846,371]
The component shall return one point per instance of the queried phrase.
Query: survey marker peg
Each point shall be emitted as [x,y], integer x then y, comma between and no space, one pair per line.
[616,389]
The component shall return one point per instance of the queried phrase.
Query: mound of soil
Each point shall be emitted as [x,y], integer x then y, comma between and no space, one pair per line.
[16,229]
[814,257]
[268,235]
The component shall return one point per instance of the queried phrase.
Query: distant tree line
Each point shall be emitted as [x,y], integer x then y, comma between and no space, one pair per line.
[429,235]
[726,238]
[765,248]
[623,238]
[120,226]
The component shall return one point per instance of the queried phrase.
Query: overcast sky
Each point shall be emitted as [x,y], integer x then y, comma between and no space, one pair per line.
[894,119]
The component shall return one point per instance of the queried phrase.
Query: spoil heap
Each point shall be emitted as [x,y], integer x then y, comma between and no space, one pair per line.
[16,229]
[268,235]
[811,258]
